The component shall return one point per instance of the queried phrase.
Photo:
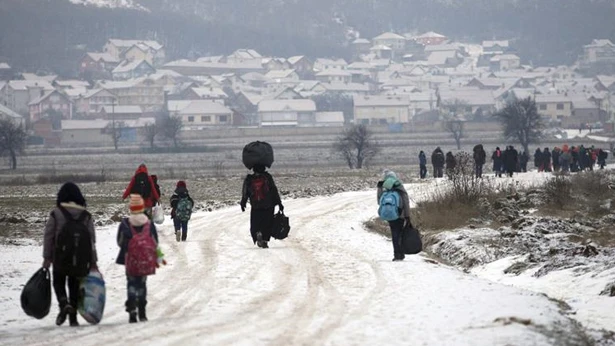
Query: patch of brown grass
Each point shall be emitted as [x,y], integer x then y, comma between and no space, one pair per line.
[444,211]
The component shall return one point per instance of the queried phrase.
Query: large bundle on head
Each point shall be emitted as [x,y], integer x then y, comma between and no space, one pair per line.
[257,153]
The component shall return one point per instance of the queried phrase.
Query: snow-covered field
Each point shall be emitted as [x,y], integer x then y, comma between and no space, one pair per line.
[330,283]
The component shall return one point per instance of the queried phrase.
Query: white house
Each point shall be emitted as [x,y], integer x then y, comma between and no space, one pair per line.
[286,113]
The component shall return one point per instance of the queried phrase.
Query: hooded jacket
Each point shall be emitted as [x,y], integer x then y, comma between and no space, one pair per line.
[479,154]
[180,192]
[153,197]
[54,225]
[392,183]
[437,158]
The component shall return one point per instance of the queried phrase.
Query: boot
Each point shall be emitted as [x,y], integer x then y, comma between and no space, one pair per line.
[132,311]
[178,235]
[72,319]
[132,316]
[259,239]
[142,316]
[65,309]
[265,245]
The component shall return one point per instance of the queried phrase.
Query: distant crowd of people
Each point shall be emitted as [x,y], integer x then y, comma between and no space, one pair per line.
[509,161]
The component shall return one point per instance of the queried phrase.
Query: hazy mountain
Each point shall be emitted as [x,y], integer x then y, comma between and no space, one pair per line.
[52,34]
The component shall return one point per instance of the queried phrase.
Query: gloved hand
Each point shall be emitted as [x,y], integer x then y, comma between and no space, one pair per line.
[281,208]
[407,222]
[46,264]
[243,206]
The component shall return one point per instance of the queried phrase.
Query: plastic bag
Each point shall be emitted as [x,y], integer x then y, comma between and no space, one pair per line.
[158,214]
[281,226]
[411,240]
[36,294]
[92,297]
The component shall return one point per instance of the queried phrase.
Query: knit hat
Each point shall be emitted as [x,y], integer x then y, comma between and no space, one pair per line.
[136,204]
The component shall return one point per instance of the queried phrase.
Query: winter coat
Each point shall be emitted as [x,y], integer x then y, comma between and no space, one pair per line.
[124,233]
[450,161]
[511,157]
[497,160]
[271,200]
[180,192]
[437,158]
[555,154]
[602,155]
[54,225]
[153,197]
[538,158]
[391,183]
[479,155]
[422,159]
[546,158]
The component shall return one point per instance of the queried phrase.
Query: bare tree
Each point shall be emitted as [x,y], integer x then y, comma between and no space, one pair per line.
[12,140]
[171,128]
[114,130]
[150,131]
[356,146]
[453,114]
[521,122]
[456,128]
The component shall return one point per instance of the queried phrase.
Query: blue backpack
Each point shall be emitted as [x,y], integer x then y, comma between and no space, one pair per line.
[389,205]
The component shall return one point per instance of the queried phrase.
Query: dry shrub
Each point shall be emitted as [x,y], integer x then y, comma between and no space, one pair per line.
[558,191]
[443,210]
[454,205]
[378,226]
[465,186]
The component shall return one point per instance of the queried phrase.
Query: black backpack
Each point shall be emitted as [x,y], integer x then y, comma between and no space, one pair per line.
[142,185]
[73,250]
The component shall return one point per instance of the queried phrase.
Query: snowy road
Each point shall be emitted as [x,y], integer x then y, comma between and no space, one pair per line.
[330,283]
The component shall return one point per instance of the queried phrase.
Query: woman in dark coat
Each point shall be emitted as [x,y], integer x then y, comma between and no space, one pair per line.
[538,163]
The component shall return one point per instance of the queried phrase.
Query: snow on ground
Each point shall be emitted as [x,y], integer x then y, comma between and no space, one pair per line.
[580,291]
[329,283]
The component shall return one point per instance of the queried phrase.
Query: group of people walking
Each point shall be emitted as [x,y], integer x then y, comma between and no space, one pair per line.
[509,161]
[137,235]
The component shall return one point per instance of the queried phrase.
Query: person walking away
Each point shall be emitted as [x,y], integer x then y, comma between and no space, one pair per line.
[511,157]
[394,207]
[497,162]
[546,160]
[450,164]
[582,158]
[538,162]
[437,161]
[137,239]
[555,158]
[156,186]
[602,156]
[260,189]
[479,160]
[70,246]
[565,159]
[593,156]
[574,163]
[422,165]
[181,210]
[141,183]
[523,159]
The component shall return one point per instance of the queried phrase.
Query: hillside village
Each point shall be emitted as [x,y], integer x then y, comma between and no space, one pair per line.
[391,79]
